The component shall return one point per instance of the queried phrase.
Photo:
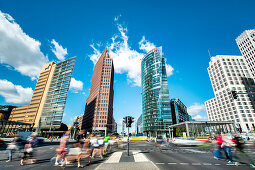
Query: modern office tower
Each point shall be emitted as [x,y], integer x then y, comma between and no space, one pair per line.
[139,125]
[231,73]
[98,115]
[155,95]
[246,44]
[46,108]
[179,111]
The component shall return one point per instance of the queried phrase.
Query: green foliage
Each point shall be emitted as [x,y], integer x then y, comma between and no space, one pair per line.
[179,131]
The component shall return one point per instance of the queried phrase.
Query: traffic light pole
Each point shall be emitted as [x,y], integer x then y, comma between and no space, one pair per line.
[128,143]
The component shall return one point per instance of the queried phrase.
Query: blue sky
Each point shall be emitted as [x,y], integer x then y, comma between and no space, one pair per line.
[31,30]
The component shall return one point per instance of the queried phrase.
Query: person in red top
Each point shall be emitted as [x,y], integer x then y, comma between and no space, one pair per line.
[218,142]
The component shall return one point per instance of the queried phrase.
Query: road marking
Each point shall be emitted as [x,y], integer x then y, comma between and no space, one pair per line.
[207,164]
[115,158]
[196,163]
[184,163]
[172,163]
[160,163]
[196,151]
[140,157]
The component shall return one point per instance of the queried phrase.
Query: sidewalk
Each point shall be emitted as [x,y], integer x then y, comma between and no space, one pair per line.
[121,161]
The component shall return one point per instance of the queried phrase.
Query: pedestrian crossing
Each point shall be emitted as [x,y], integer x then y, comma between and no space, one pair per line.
[136,155]
[115,158]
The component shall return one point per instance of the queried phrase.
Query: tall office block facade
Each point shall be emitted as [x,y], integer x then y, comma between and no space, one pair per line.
[98,115]
[246,44]
[46,108]
[179,111]
[156,110]
[231,73]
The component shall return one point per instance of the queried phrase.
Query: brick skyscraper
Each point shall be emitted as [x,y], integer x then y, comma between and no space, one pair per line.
[98,115]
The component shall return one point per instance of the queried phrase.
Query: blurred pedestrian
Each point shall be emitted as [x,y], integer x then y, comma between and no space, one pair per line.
[31,143]
[218,142]
[106,144]
[240,153]
[80,136]
[97,148]
[16,144]
[227,146]
[87,149]
[62,149]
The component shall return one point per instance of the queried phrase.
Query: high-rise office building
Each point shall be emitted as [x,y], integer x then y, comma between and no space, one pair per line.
[46,108]
[98,115]
[179,111]
[156,110]
[231,73]
[246,44]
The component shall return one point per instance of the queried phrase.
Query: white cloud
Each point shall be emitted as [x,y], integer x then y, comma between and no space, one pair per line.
[199,117]
[58,50]
[117,18]
[169,70]
[76,85]
[15,94]
[145,45]
[95,56]
[195,111]
[18,50]
[126,60]
[196,108]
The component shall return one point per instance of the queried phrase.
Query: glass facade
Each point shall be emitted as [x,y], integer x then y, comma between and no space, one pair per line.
[53,109]
[179,111]
[155,95]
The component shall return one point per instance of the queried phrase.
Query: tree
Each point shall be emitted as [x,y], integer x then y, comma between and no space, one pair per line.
[179,131]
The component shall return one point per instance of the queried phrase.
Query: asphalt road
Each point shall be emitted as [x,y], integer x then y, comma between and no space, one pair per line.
[43,154]
[168,157]
[190,158]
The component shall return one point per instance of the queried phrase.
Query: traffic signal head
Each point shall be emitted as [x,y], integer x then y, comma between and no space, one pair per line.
[234,94]
[125,119]
[130,120]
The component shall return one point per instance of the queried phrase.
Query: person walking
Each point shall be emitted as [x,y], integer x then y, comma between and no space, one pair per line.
[16,144]
[28,150]
[218,142]
[240,153]
[62,149]
[97,150]
[227,146]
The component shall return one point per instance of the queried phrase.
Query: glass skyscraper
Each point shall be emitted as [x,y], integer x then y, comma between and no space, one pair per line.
[54,105]
[155,95]
[46,108]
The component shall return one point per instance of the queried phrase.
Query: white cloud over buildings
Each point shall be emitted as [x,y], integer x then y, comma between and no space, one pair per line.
[15,94]
[127,60]
[195,111]
[76,85]
[58,50]
[18,50]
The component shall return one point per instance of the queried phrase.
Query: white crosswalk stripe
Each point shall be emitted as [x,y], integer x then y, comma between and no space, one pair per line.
[140,157]
[115,158]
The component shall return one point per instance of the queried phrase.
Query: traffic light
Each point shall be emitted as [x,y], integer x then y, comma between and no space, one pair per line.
[125,119]
[234,94]
[130,120]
